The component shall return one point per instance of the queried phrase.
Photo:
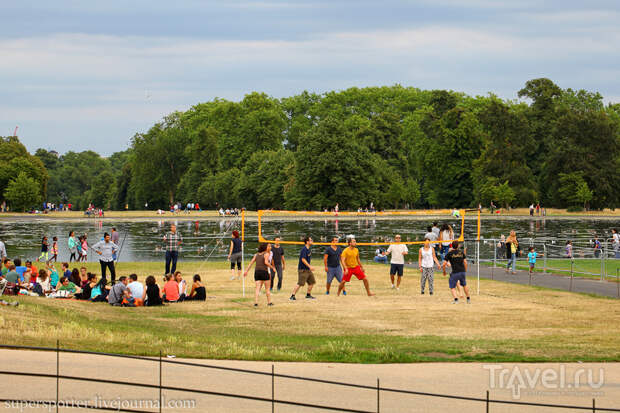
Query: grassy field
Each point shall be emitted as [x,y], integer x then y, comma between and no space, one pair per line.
[551,212]
[506,322]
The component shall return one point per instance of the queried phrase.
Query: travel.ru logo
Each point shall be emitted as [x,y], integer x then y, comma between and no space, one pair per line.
[556,379]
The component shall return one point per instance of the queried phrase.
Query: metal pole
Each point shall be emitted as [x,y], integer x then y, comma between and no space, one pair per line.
[478,264]
[571,275]
[57,372]
[617,283]
[273,391]
[494,259]
[243,264]
[160,396]
[544,257]
[593,405]
[602,264]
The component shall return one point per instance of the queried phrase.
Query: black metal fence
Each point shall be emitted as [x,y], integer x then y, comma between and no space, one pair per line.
[485,401]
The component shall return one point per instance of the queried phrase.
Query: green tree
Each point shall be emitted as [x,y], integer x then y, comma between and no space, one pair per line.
[23,192]
[504,194]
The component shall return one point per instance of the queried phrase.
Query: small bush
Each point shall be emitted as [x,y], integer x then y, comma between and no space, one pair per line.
[574,208]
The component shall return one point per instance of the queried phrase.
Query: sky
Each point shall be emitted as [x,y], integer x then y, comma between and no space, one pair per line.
[78,75]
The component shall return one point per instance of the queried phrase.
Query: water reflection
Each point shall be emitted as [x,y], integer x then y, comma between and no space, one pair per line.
[140,240]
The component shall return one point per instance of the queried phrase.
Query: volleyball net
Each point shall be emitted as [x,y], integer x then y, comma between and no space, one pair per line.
[459,234]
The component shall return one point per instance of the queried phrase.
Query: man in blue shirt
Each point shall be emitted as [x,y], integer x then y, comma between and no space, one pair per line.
[305,270]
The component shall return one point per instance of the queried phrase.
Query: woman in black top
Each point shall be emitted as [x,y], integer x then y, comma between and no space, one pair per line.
[198,293]
[261,273]
[152,295]
[235,255]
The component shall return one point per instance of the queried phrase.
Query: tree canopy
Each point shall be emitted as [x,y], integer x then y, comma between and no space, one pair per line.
[393,146]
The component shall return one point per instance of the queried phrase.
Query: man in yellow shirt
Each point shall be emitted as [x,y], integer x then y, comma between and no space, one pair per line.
[351,263]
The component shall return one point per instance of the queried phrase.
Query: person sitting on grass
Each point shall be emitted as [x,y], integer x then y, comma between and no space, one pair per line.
[43,285]
[152,294]
[182,285]
[66,272]
[75,277]
[99,290]
[119,294]
[171,289]
[83,276]
[87,287]
[70,287]
[34,271]
[198,292]
[54,277]
[137,290]
[5,266]
[20,269]
[380,256]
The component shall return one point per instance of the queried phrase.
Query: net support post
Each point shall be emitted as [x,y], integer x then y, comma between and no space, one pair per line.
[478,264]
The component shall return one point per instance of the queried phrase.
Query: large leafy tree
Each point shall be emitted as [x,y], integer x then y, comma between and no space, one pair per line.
[23,192]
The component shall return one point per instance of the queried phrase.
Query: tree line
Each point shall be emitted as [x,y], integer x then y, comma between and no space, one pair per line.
[395,146]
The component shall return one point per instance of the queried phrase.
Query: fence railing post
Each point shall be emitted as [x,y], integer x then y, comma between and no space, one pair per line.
[273,389]
[494,259]
[487,401]
[617,283]
[602,265]
[571,275]
[544,257]
[594,405]
[160,395]
[378,393]
[57,373]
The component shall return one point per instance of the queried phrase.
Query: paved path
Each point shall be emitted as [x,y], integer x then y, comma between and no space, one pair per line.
[560,282]
[463,379]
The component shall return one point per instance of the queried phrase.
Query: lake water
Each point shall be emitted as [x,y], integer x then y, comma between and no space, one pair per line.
[209,239]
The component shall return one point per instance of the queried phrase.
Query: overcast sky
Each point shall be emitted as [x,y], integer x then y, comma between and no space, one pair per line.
[79,75]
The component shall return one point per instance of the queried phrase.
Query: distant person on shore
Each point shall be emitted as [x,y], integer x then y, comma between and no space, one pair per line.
[106,250]
[615,242]
[235,255]
[597,247]
[115,238]
[457,260]
[305,271]
[333,266]
[54,249]
[173,241]
[44,250]
[445,237]
[353,266]
[531,210]
[531,258]
[568,249]
[380,256]
[261,272]
[72,244]
[426,263]
[397,261]
[512,245]
[2,250]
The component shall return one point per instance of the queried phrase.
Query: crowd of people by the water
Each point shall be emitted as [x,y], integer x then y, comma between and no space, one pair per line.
[441,250]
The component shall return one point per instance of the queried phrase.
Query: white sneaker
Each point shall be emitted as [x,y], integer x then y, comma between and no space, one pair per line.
[398,288]
[393,286]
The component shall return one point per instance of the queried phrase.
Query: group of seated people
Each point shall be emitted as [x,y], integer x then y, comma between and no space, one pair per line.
[82,285]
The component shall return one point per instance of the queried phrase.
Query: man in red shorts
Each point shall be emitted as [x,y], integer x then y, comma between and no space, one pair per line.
[351,263]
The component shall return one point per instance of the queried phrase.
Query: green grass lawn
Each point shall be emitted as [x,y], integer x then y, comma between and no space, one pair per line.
[506,322]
